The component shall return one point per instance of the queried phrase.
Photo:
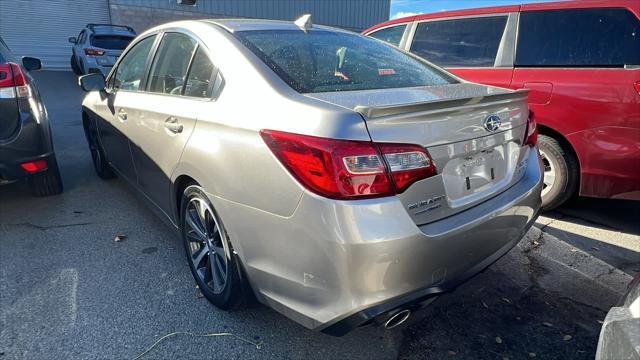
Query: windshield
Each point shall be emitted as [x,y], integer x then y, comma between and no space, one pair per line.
[322,61]
[111,42]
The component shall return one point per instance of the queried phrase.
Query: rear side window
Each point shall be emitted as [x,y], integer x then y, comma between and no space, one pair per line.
[199,82]
[470,42]
[171,63]
[111,42]
[322,61]
[608,37]
[392,34]
[131,68]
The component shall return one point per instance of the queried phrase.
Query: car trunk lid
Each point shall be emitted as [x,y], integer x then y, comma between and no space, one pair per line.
[474,134]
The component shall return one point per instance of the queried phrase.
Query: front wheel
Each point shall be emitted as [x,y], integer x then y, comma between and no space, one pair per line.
[210,256]
[561,171]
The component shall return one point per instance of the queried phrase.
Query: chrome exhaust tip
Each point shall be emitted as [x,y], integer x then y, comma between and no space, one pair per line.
[397,319]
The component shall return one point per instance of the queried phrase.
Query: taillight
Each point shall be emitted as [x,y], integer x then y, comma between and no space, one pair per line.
[532,130]
[93,52]
[637,86]
[13,82]
[348,169]
[34,166]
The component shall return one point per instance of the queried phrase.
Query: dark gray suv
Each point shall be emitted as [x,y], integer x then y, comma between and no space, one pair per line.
[26,147]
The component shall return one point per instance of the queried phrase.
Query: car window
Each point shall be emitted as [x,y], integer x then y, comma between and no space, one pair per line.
[470,42]
[171,63]
[110,42]
[321,61]
[81,37]
[578,37]
[131,69]
[392,34]
[199,81]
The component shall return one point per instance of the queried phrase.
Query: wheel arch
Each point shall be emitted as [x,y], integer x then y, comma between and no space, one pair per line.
[548,131]
[180,183]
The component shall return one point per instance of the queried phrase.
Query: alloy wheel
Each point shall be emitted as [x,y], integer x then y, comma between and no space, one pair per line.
[549,173]
[208,250]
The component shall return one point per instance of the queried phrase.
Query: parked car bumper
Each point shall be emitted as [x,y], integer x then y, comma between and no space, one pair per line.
[333,265]
[32,141]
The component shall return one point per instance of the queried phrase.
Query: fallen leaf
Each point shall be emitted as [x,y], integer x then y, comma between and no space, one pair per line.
[532,354]
[498,340]
[547,324]
[451,353]
[506,300]
[567,337]
[120,237]
[485,305]
[595,248]
[600,322]
[535,243]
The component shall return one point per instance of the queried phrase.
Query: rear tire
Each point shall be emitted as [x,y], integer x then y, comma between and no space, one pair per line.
[48,182]
[211,258]
[74,66]
[561,172]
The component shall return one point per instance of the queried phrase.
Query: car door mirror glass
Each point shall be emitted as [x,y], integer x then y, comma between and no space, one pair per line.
[92,82]
[73,40]
[31,63]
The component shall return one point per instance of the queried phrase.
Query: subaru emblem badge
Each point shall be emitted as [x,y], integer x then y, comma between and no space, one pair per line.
[492,123]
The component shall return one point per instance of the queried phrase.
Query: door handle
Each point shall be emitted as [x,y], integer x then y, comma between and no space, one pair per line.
[122,115]
[172,125]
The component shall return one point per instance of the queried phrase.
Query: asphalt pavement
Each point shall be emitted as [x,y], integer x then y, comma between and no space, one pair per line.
[68,290]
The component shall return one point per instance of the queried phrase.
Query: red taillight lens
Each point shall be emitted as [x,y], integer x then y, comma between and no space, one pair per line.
[637,86]
[13,81]
[94,52]
[531,136]
[346,169]
[34,166]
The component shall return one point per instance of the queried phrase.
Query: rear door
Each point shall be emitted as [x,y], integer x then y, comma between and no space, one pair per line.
[477,48]
[180,86]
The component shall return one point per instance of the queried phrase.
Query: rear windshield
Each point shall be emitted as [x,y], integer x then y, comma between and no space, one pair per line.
[111,42]
[322,61]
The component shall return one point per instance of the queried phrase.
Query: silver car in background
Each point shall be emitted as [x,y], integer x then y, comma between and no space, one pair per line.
[98,46]
[338,179]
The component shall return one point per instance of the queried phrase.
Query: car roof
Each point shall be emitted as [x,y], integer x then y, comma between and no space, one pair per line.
[108,29]
[233,25]
[634,5]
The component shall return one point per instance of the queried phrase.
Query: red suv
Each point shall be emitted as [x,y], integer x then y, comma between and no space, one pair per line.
[581,62]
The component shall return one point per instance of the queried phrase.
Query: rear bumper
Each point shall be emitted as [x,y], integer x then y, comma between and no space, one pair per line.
[31,142]
[334,265]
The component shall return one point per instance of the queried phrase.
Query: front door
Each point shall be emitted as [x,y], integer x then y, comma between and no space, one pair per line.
[115,124]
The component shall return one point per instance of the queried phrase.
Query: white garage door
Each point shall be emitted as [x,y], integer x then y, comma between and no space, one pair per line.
[41,28]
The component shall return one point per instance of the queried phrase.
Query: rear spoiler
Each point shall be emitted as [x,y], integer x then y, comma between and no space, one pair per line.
[445,105]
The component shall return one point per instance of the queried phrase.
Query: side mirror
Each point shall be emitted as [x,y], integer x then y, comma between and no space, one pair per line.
[92,82]
[31,63]
[73,40]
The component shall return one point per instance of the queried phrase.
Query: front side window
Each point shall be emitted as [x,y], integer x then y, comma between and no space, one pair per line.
[171,63]
[392,34]
[131,69]
[322,61]
[469,42]
[199,82]
[578,37]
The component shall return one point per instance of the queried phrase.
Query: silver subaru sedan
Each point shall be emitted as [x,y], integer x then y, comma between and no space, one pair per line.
[338,179]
